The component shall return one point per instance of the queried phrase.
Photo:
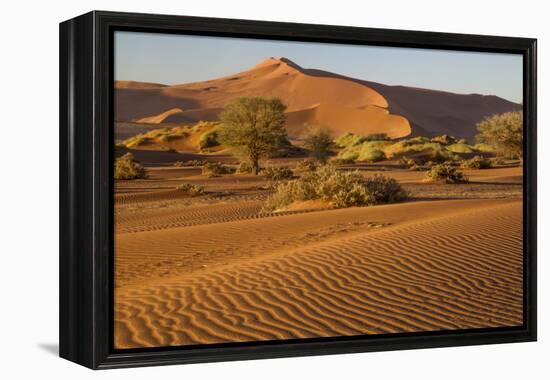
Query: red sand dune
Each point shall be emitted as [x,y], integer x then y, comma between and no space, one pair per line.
[313,97]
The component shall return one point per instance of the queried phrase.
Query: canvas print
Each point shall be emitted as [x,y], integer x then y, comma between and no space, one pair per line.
[275,190]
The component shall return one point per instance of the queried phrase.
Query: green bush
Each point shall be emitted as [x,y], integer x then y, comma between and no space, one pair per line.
[369,154]
[126,167]
[191,189]
[504,133]
[476,162]
[460,148]
[319,143]
[340,189]
[214,169]
[209,140]
[349,139]
[445,173]
[277,173]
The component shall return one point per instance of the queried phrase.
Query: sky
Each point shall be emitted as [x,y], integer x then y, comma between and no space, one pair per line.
[176,59]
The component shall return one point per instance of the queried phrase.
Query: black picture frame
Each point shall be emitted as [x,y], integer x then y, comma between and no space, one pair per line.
[86,204]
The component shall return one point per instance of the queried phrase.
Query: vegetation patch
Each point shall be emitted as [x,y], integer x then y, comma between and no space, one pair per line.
[445,173]
[476,162]
[245,168]
[461,148]
[209,140]
[126,167]
[214,169]
[278,173]
[339,189]
[190,189]
[319,143]
[504,133]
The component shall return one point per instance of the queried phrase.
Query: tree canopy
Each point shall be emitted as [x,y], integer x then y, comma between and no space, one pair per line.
[504,133]
[255,127]
[319,143]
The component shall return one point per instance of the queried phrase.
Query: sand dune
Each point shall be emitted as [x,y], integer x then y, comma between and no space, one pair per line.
[313,97]
[416,266]
[157,119]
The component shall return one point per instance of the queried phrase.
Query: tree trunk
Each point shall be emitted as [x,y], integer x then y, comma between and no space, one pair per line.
[256,167]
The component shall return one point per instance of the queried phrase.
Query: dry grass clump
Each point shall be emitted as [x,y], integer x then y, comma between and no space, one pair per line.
[214,169]
[476,162]
[190,163]
[126,167]
[245,167]
[336,161]
[306,166]
[445,173]
[339,189]
[191,189]
[277,173]
[161,135]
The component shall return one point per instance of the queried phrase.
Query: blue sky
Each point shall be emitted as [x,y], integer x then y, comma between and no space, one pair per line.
[174,59]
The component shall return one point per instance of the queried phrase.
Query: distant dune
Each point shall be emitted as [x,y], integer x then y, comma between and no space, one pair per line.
[313,97]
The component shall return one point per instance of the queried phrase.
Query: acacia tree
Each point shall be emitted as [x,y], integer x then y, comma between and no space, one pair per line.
[319,143]
[255,127]
[504,133]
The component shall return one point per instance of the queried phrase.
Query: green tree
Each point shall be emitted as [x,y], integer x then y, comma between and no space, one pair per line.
[255,127]
[504,133]
[319,143]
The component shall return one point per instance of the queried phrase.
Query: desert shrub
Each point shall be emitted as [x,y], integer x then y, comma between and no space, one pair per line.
[408,161]
[245,167]
[350,153]
[460,148]
[196,163]
[306,166]
[340,189]
[191,189]
[214,169]
[384,189]
[209,140]
[349,139]
[497,161]
[318,141]
[377,137]
[445,173]
[417,168]
[476,162]
[126,167]
[504,133]
[443,139]
[370,154]
[277,173]
[337,161]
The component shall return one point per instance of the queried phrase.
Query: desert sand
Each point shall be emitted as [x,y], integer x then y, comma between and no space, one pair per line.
[313,97]
[214,269]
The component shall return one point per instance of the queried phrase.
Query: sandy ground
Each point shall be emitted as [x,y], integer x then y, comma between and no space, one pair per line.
[213,269]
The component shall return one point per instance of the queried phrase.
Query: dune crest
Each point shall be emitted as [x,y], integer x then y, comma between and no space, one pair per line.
[408,110]
[338,102]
